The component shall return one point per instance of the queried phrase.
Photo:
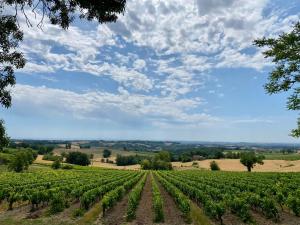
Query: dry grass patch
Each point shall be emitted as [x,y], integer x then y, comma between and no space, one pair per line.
[235,165]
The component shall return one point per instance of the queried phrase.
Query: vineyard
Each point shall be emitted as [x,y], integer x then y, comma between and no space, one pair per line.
[103,196]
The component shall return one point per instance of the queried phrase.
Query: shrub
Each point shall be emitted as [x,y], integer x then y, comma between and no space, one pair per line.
[52,157]
[56,165]
[214,166]
[195,164]
[67,167]
[146,164]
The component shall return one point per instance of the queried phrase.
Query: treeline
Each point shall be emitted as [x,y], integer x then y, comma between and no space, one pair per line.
[161,161]
[126,160]
[203,153]
[41,149]
[77,158]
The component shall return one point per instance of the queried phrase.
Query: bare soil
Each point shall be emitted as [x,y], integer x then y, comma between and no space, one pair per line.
[117,214]
[144,213]
[285,219]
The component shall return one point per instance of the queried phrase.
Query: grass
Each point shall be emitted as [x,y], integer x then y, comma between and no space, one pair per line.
[39,221]
[3,168]
[280,156]
[92,215]
[198,216]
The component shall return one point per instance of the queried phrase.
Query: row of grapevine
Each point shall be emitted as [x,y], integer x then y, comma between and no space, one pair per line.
[235,198]
[157,202]
[113,196]
[134,198]
[58,189]
[239,193]
[94,194]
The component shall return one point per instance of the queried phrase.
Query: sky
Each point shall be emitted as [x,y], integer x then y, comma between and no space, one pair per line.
[166,70]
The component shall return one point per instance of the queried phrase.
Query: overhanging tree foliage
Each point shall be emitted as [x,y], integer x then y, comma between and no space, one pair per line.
[4,140]
[285,53]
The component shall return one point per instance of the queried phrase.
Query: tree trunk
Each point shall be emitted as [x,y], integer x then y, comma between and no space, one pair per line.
[249,168]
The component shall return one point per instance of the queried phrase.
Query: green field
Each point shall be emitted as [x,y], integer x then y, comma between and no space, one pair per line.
[280,156]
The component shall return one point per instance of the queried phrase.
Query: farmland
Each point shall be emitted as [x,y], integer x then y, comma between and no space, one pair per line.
[88,195]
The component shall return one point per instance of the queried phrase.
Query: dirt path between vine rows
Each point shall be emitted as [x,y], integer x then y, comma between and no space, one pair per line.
[117,214]
[144,212]
[172,214]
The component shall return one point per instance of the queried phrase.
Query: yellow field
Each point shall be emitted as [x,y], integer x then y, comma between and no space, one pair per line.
[235,165]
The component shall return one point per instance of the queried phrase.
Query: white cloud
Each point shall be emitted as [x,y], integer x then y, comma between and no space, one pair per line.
[108,106]
[139,64]
[202,35]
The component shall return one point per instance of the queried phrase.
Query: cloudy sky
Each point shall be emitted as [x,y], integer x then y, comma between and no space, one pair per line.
[166,70]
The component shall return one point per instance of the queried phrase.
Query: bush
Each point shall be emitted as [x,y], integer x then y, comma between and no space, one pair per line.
[5,158]
[56,165]
[52,157]
[214,166]
[195,164]
[67,167]
[146,164]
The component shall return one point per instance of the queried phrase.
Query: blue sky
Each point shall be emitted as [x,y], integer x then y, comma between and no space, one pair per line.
[175,70]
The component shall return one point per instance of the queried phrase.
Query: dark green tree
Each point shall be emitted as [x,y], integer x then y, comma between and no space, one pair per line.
[78,158]
[249,159]
[106,153]
[21,160]
[164,156]
[285,53]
